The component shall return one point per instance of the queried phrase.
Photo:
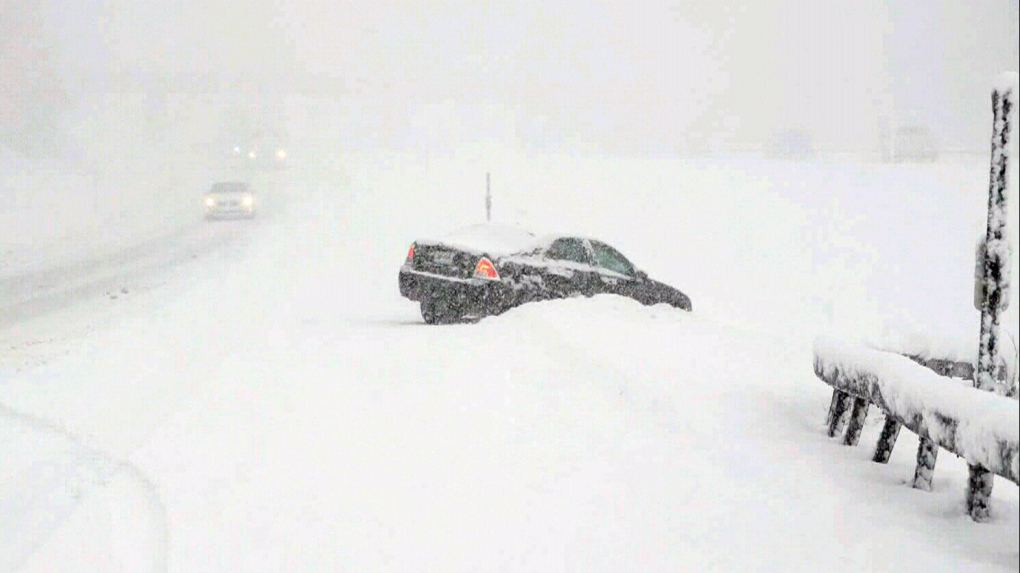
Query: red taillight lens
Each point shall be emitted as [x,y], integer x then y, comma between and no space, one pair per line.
[410,252]
[485,269]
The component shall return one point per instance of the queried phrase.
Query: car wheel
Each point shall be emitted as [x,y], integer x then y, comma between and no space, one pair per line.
[438,311]
[429,312]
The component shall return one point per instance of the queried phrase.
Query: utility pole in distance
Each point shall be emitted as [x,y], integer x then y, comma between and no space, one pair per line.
[488,197]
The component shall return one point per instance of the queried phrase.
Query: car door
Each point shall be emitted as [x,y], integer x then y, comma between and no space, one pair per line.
[617,275]
[568,268]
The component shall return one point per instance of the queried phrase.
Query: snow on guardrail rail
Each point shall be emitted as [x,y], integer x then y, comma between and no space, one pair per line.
[981,427]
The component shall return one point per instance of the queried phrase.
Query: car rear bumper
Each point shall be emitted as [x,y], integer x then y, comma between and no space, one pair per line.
[468,295]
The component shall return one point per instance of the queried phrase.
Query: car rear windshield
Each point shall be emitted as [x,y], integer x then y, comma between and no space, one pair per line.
[232,187]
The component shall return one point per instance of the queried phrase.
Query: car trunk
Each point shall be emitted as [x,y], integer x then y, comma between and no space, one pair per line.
[440,260]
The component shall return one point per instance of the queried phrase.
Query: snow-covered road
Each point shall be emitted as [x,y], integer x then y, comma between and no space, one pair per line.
[296,415]
[32,293]
[52,300]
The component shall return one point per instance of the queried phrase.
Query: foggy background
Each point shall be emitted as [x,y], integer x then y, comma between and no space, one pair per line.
[121,83]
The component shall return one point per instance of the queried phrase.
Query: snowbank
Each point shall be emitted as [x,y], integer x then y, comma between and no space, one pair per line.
[59,481]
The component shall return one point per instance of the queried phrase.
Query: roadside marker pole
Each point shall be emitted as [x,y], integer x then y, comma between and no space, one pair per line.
[992,283]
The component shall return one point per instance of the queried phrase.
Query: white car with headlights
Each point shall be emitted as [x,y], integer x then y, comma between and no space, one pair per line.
[230,199]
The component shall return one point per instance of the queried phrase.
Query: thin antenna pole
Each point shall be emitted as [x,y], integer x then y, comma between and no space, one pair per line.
[488,197]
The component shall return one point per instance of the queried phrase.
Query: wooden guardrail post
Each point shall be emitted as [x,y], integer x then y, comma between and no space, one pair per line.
[837,412]
[927,453]
[887,440]
[856,423]
[979,493]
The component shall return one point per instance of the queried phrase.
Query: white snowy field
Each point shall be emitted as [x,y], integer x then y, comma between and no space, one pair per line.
[294,413]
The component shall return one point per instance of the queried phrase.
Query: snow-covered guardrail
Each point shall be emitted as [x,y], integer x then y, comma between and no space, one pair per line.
[981,427]
[977,418]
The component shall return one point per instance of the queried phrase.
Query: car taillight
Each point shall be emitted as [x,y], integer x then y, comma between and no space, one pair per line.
[485,269]
[410,252]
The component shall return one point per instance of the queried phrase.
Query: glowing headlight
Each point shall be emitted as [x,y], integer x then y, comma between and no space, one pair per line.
[248,201]
[210,202]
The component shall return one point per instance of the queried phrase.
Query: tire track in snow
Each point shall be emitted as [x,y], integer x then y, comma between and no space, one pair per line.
[52,476]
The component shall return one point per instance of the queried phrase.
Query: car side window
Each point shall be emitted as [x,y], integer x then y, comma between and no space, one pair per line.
[609,258]
[572,250]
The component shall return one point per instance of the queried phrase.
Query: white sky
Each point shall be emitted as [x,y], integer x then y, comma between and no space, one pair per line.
[633,72]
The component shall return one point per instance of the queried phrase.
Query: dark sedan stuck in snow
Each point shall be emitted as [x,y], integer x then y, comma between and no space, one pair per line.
[487,269]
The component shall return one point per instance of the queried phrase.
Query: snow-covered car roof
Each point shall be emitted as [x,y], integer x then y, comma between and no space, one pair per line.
[493,239]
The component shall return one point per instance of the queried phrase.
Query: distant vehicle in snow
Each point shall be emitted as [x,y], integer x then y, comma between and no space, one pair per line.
[488,269]
[230,199]
[915,143]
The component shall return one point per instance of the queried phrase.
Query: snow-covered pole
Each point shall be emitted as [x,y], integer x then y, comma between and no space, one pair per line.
[996,249]
[994,281]
[488,198]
